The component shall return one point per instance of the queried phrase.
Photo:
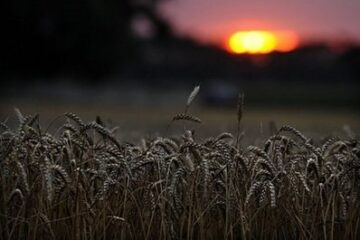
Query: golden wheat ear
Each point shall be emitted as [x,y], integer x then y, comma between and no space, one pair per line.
[185,116]
[19,115]
[191,97]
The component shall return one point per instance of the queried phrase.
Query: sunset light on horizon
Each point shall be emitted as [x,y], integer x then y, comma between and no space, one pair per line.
[261,42]
[252,42]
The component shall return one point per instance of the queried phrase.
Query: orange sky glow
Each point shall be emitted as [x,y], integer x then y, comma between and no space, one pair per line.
[293,23]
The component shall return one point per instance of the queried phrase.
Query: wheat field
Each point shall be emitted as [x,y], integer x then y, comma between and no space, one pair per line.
[82,182]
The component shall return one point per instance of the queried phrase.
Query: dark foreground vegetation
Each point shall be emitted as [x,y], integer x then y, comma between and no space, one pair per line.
[80,182]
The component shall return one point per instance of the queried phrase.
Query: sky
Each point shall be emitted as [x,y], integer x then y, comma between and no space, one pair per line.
[214,20]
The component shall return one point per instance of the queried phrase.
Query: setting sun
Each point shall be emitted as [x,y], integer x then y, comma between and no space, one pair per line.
[260,42]
[252,42]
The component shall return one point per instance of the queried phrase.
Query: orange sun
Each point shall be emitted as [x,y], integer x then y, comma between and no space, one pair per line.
[261,42]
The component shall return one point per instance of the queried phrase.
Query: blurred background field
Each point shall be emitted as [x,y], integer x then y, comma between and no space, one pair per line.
[137,120]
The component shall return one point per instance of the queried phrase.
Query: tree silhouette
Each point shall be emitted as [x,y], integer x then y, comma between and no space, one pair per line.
[82,37]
